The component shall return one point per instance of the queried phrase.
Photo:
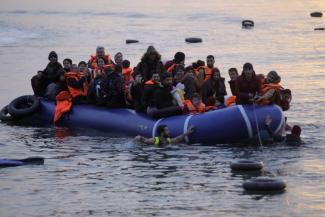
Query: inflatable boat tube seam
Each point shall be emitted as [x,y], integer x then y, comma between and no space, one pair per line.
[154,129]
[246,119]
[187,120]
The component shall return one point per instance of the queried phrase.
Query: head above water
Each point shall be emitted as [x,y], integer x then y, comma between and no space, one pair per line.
[163,131]
[296,130]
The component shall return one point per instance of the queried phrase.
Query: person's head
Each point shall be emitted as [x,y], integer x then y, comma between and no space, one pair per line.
[296,130]
[210,61]
[200,63]
[100,51]
[155,77]
[53,57]
[118,58]
[215,74]
[189,70]
[179,58]
[82,65]
[126,64]
[74,68]
[167,79]
[233,74]
[163,131]
[100,62]
[196,99]
[67,62]
[273,77]
[248,71]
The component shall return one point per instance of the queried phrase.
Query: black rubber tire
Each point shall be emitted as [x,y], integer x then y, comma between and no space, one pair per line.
[130,41]
[247,23]
[23,106]
[264,184]
[4,115]
[319,29]
[316,14]
[193,40]
[246,165]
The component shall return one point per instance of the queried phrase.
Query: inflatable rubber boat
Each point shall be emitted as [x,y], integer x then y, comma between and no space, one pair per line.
[234,124]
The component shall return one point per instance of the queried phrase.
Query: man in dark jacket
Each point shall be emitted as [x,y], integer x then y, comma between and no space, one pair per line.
[247,85]
[45,82]
[162,99]
[149,88]
[233,74]
[214,87]
[112,88]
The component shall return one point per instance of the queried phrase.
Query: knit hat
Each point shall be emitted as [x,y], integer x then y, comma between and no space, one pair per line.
[179,57]
[53,54]
[273,77]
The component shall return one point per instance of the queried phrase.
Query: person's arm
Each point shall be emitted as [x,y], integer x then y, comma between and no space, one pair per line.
[277,138]
[147,141]
[181,137]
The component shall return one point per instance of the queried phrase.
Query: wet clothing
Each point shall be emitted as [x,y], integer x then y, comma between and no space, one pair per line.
[215,88]
[157,141]
[289,139]
[244,88]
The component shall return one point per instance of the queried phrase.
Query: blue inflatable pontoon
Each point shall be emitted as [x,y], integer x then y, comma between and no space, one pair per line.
[229,125]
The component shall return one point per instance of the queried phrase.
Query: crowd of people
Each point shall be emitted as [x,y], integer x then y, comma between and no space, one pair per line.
[153,87]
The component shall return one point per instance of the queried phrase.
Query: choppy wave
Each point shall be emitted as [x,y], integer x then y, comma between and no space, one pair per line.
[12,35]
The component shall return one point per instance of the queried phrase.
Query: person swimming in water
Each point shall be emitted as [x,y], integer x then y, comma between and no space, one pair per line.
[163,137]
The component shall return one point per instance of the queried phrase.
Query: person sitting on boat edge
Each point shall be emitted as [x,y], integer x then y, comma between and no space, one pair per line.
[45,82]
[149,88]
[178,61]
[163,137]
[290,139]
[163,100]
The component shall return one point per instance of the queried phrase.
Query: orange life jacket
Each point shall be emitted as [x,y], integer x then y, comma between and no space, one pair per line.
[170,68]
[231,101]
[126,72]
[150,82]
[74,91]
[63,104]
[207,72]
[266,87]
[191,108]
[93,59]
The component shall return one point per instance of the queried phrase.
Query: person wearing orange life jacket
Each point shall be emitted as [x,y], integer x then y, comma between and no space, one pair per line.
[126,72]
[100,53]
[178,61]
[148,90]
[270,89]
[63,105]
[98,69]
[194,106]
[77,84]
[206,71]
